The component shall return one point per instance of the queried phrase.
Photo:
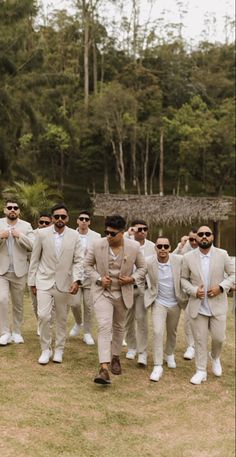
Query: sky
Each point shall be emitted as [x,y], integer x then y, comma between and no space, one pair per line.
[194,18]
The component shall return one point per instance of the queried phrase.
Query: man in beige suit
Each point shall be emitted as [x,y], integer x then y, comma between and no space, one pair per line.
[136,326]
[87,237]
[55,272]
[165,296]
[207,275]
[109,263]
[188,243]
[16,240]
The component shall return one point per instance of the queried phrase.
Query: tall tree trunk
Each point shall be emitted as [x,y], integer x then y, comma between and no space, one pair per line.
[133,156]
[106,179]
[86,53]
[118,153]
[145,165]
[153,174]
[161,170]
[95,70]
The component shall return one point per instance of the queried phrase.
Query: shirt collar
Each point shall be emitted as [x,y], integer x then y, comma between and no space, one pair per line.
[203,256]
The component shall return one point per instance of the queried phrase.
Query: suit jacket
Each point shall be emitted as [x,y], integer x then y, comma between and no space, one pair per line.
[149,248]
[46,269]
[192,278]
[152,280]
[96,266]
[92,236]
[21,247]
[183,250]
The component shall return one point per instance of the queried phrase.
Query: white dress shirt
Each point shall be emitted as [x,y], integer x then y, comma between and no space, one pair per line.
[205,265]
[58,238]
[166,291]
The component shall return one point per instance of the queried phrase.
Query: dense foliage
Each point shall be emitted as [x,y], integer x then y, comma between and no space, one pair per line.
[84,110]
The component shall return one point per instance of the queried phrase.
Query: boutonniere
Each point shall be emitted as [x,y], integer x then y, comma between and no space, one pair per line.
[125,258]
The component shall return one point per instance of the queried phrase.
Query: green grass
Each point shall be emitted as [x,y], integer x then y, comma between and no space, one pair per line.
[57,410]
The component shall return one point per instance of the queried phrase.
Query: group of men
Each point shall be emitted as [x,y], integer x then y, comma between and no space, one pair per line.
[118,277]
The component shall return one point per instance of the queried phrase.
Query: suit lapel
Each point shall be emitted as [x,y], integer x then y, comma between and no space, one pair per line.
[105,256]
[211,265]
[198,264]
[174,271]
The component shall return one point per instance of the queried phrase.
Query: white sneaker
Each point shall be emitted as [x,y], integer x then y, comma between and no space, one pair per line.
[45,357]
[216,366]
[199,377]
[88,339]
[5,339]
[131,353]
[124,344]
[17,338]
[75,330]
[142,359]
[170,360]
[189,353]
[156,373]
[58,356]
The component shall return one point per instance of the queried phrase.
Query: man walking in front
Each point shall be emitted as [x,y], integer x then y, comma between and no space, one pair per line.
[109,263]
[207,275]
[87,237]
[16,241]
[55,272]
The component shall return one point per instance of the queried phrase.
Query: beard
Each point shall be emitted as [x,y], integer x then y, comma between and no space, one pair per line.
[12,217]
[205,244]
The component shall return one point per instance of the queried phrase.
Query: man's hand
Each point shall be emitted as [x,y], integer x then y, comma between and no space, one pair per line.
[34,290]
[4,235]
[15,233]
[201,292]
[124,280]
[106,282]
[214,291]
[183,240]
[74,288]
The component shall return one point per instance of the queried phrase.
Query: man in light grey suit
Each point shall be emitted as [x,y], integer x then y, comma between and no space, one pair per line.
[207,275]
[109,264]
[165,296]
[16,240]
[55,272]
[87,237]
[136,326]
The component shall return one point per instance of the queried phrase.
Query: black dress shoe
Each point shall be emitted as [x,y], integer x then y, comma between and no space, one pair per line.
[115,365]
[102,377]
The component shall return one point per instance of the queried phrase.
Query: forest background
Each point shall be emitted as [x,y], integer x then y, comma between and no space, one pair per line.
[87,105]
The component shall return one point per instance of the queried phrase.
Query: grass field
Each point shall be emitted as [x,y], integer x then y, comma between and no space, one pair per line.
[57,410]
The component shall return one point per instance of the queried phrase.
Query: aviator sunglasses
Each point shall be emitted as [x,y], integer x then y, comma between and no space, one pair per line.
[59,216]
[192,239]
[160,246]
[44,222]
[112,234]
[13,207]
[142,229]
[82,219]
[201,234]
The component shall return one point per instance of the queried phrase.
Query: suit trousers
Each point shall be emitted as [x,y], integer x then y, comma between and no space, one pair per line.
[187,329]
[136,325]
[10,283]
[52,303]
[200,327]
[110,313]
[83,296]
[162,317]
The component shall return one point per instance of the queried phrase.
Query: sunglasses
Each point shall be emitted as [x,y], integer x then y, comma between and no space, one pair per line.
[201,234]
[86,219]
[12,207]
[142,229]
[192,239]
[44,222]
[160,246]
[112,234]
[59,216]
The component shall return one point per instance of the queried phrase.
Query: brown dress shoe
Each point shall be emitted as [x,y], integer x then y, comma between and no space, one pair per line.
[115,365]
[102,377]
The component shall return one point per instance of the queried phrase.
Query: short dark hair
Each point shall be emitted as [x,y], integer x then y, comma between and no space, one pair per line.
[115,221]
[45,214]
[11,200]
[85,212]
[138,221]
[193,230]
[163,236]
[59,206]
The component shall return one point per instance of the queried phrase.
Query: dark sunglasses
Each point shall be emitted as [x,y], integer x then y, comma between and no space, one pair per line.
[12,207]
[59,216]
[192,239]
[86,219]
[160,246]
[44,222]
[142,229]
[113,234]
[201,234]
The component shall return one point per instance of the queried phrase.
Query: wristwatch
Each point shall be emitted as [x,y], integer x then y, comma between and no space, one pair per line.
[99,282]
[79,282]
[221,289]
